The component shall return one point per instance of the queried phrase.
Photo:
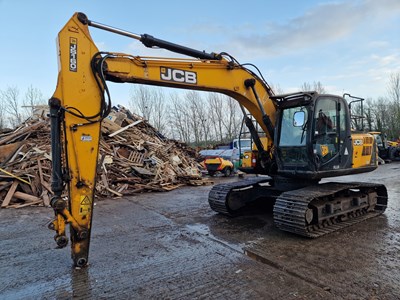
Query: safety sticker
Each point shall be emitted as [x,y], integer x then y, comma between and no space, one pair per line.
[86,138]
[324,150]
[85,206]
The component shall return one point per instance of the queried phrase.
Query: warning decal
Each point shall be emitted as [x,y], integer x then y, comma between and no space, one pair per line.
[324,150]
[86,205]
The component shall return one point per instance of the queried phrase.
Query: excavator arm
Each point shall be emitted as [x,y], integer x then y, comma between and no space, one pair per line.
[79,104]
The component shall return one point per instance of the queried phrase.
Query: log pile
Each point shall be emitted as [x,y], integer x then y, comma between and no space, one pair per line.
[134,157]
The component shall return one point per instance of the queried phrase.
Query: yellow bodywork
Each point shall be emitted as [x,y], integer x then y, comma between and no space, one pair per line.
[217,164]
[364,150]
[248,156]
[393,144]
[208,74]
[246,159]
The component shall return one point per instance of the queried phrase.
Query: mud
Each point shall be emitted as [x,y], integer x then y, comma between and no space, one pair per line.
[172,246]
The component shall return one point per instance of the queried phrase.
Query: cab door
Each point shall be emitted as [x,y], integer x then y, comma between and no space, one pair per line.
[331,138]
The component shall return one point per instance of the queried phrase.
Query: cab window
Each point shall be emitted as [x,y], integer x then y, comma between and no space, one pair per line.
[327,121]
[291,133]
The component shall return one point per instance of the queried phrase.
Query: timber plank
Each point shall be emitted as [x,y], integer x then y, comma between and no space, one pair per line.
[10,194]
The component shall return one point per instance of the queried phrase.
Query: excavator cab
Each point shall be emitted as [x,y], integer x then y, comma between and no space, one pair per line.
[313,137]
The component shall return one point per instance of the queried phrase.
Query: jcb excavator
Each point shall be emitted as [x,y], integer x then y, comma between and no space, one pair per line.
[309,137]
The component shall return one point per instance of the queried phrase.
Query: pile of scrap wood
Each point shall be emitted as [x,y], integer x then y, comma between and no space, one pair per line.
[134,157]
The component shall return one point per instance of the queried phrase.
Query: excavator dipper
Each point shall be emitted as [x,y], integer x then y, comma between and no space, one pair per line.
[309,137]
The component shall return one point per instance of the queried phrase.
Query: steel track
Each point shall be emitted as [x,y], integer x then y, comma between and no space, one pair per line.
[291,207]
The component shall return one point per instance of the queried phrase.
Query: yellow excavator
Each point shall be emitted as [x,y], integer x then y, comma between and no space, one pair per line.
[309,137]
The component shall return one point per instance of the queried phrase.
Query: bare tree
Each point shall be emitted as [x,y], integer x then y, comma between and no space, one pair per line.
[142,101]
[216,113]
[316,86]
[10,99]
[368,114]
[394,98]
[394,87]
[306,87]
[193,99]
[392,121]
[33,97]
[150,103]
[179,119]
[200,120]
[276,88]
[159,115]
[319,88]
[232,118]
[380,113]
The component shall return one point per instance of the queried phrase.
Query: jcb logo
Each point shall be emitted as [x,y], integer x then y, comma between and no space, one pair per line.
[176,75]
[73,54]
[358,142]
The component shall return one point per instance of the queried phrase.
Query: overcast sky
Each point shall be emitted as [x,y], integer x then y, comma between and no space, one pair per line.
[349,46]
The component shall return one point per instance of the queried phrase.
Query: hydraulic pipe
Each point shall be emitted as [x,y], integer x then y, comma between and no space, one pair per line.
[253,131]
[249,83]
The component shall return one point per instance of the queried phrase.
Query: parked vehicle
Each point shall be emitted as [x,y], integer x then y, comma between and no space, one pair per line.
[387,150]
[232,151]
[218,164]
